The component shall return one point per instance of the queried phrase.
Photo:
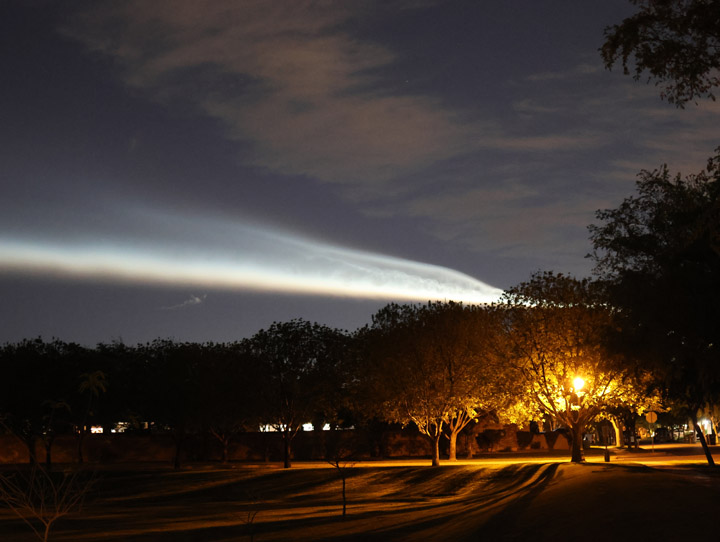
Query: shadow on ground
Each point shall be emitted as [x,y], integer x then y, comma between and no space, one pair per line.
[537,501]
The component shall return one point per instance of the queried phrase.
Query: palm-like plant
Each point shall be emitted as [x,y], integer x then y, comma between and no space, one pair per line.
[91,384]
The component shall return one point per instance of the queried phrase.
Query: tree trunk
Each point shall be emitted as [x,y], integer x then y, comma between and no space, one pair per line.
[30,442]
[618,432]
[224,439]
[286,443]
[452,453]
[576,434]
[436,450]
[713,423]
[632,437]
[703,442]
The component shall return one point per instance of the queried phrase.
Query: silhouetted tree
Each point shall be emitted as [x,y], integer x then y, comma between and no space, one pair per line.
[55,421]
[677,42]
[229,386]
[659,255]
[91,385]
[129,394]
[173,388]
[35,390]
[295,358]
[38,496]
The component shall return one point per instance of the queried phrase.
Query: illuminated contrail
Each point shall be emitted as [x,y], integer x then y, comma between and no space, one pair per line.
[224,254]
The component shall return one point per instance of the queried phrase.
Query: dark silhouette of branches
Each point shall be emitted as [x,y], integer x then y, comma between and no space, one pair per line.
[40,497]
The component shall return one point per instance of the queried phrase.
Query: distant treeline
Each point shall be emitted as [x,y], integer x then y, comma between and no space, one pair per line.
[437,367]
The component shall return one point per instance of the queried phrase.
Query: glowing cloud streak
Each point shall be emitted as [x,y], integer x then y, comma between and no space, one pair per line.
[227,255]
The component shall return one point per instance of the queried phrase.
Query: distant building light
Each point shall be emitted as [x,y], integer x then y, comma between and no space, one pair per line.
[305,427]
[96,429]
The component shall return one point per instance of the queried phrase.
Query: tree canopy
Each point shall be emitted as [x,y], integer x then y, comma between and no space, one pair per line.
[434,366]
[297,362]
[556,329]
[659,257]
[677,42]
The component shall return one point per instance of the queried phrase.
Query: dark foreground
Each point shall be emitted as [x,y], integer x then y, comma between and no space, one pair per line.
[534,500]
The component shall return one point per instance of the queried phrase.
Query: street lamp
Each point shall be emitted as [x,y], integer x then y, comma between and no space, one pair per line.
[578,383]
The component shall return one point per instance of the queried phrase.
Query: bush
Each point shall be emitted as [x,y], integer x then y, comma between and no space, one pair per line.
[488,439]
[524,438]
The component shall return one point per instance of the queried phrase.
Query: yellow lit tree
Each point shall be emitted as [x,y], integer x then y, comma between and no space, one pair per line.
[556,329]
[433,366]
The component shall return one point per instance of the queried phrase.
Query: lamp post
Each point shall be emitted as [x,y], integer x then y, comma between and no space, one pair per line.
[578,383]
[575,403]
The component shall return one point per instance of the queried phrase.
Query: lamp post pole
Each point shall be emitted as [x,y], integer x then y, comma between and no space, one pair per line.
[651,418]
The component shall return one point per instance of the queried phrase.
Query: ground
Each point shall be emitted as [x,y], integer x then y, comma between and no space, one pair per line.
[668,494]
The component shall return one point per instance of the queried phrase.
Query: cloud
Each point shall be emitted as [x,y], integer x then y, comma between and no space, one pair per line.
[189,302]
[549,142]
[285,78]
[211,252]
[305,97]
[530,106]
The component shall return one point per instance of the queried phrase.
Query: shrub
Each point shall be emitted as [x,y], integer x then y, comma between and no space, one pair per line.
[488,439]
[524,438]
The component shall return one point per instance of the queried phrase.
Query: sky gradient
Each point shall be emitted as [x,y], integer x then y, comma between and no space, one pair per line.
[196,171]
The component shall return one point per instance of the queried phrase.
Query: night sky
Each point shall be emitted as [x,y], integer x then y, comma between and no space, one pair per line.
[196,170]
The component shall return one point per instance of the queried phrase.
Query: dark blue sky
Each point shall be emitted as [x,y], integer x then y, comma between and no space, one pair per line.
[197,170]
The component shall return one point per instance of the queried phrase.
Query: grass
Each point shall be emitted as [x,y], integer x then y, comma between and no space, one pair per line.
[534,501]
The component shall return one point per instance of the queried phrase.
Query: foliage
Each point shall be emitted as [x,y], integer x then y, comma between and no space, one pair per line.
[676,41]
[172,387]
[556,327]
[92,384]
[433,365]
[297,360]
[659,256]
[227,384]
[524,439]
[489,438]
[40,407]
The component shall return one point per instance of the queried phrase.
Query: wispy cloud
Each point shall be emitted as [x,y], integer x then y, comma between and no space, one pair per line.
[548,142]
[284,77]
[305,97]
[189,302]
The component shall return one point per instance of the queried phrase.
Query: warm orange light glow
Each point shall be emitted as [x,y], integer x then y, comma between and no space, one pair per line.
[578,383]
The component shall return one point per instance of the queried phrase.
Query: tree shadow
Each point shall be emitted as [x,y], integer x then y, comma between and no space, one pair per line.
[497,526]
